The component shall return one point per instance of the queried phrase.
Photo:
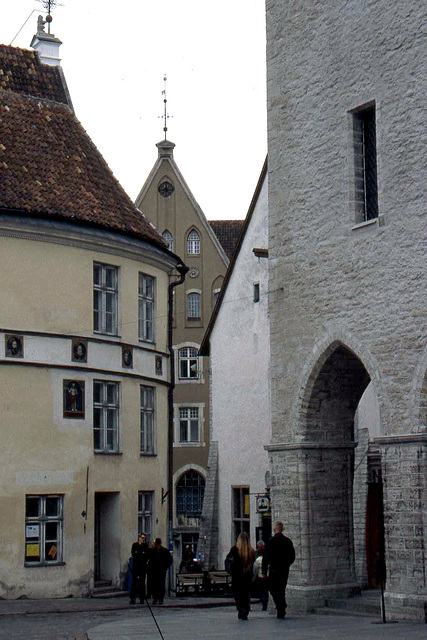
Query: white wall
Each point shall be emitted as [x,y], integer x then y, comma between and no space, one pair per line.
[240,354]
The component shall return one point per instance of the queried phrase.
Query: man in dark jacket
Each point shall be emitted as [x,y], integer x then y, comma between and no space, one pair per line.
[159,561]
[139,568]
[278,557]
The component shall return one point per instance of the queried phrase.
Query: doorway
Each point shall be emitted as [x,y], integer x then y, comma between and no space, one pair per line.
[107,544]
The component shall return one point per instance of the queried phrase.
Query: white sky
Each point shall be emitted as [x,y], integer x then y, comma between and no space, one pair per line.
[114,56]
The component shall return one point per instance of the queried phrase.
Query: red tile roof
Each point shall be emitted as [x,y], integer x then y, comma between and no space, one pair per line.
[48,164]
[227,232]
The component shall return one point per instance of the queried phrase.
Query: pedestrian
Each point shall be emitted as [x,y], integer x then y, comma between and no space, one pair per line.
[139,554]
[159,561]
[260,578]
[239,563]
[278,557]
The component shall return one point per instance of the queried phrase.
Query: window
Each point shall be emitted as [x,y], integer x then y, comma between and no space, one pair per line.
[105,298]
[146,307]
[241,513]
[145,513]
[188,363]
[256,292]
[216,294]
[193,242]
[189,424]
[190,490]
[194,305]
[43,529]
[365,164]
[168,238]
[147,420]
[105,416]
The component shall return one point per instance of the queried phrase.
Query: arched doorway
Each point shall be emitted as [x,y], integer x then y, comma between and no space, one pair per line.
[326,444]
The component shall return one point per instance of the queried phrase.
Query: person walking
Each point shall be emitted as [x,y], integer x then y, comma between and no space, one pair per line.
[260,578]
[239,563]
[139,554]
[278,557]
[159,561]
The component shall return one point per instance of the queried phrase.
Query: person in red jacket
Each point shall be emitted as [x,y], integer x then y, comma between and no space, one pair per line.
[278,557]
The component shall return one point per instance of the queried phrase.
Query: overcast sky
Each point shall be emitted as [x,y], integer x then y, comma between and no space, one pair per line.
[115,54]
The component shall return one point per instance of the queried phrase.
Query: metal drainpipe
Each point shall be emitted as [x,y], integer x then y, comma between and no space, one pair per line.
[182,269]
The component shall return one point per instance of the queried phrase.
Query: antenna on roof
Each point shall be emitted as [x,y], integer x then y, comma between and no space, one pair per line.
[165,115]
[48,6]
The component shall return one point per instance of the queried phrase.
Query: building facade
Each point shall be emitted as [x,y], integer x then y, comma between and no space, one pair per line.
[347,198]
[84,361]
[166,200]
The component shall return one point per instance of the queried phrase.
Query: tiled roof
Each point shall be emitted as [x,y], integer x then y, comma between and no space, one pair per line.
[48,164]
[227,232]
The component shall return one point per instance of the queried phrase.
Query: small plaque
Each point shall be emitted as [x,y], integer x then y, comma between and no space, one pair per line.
[127,358]
[193,272]
[159,365]
[79,351]
[14,346]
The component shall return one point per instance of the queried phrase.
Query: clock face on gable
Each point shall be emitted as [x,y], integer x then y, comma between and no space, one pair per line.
[166,189]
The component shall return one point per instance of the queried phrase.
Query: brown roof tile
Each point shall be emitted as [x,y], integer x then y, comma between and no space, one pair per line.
[48,164]
[227,232]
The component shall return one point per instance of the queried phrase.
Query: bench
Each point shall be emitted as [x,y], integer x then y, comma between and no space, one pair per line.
[189,583]
[220,582]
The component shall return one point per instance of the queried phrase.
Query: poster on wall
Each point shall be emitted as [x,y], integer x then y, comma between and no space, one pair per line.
[32,550]
[74,399]
[32,531]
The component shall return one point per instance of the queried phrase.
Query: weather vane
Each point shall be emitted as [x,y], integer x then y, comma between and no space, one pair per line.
[165,115]
[48,6]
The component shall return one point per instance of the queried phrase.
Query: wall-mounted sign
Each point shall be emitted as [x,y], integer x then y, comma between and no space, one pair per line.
[262,504]
[32,550]
[32,531]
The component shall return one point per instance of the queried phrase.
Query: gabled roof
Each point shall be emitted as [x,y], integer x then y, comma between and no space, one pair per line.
[205,346]
[49,166]
[227,232]
[166,154]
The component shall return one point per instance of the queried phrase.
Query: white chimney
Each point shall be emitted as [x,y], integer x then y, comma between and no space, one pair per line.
[46,45]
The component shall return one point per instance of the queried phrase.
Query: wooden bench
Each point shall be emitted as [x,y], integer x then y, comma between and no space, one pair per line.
[220,581]
[189,583]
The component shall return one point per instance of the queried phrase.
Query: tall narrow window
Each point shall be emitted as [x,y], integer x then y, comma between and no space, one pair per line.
[147,420]
[193,242]
[189,424]
[146,307]
[168,238]
[145,513]
[43,529]
[105,416]
[190,491]
[194,306]
[188,363]
[365,164]
[256,291]
[241,512]
[105,298]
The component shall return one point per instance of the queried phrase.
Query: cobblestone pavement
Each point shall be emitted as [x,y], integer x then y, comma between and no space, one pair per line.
[182,619]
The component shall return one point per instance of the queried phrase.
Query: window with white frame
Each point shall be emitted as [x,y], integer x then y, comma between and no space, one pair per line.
[43,529]
[168,238]
[189,427]
[188,358]
[194,304]
[146,307]
[147,420]
[193,242]
[241,511]
[105,298]
[190,491]
[145,513]
[105,416]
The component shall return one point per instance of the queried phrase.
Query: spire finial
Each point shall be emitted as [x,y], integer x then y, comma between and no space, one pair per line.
[165,115]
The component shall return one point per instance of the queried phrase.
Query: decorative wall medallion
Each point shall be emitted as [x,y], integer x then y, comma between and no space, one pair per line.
[74,399]
[14,346]
[166,189]
[193,272]
[127,358]
[79,351]
[159,365]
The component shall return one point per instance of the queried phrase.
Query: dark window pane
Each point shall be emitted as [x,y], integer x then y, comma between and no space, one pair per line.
[52,506]
[51,531]
[33,507]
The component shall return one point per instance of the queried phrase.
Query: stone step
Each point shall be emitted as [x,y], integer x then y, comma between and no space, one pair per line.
[328,611]
[367,603]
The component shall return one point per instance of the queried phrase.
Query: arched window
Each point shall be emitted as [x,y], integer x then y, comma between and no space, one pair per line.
[193,242]
[194,305]
[168,238]
[188,362]
[190,490]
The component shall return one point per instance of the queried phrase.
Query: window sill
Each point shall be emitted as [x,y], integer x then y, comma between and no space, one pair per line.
[100,452]
[113,336]
[151,342]
[189,444]
[146,454]
[197,319]
[34,565]
[365,223]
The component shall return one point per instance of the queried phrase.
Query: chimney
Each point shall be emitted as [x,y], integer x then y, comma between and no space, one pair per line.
[46,45]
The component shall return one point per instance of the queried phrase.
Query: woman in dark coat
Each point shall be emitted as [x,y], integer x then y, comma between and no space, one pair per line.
[240,561]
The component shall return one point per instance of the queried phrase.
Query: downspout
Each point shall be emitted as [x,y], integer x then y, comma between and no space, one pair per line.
[182,269]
